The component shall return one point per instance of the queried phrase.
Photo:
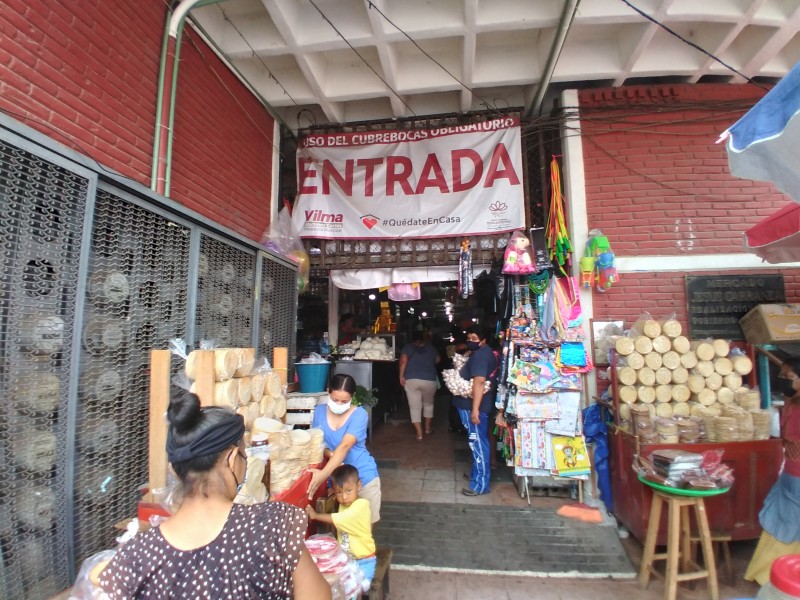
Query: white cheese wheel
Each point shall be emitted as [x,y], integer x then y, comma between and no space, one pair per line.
[704,368]
[635,360]
[714,381]
[244,390]
[671,328]
[742,365]
[663,376]
[680,375]
[653,360]
[721,347]
[661,344]
[646,376]
[725,395]
[226,361]
[623,346]
[627,394]
[671,359]
[626,375]
[643,344]
[646,394]
[663,393]
[681,344]
[732,380]
[696,383]
[723,366]
[704,350]
[680,393]
[651,328]
[688,360]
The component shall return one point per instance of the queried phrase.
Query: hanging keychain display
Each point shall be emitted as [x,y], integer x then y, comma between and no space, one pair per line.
[465,269]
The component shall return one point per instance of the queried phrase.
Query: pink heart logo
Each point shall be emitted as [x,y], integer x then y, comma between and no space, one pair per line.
[369,222]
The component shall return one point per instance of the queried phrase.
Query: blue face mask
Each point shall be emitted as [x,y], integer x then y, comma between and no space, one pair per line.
[472,346]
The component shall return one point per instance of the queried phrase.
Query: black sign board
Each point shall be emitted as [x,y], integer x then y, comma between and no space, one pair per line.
[715,303]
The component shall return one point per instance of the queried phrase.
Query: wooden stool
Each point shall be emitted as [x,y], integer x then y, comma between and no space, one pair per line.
[719,544]
[679,538]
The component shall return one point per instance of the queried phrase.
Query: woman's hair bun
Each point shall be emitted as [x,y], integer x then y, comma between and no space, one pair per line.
[184,411]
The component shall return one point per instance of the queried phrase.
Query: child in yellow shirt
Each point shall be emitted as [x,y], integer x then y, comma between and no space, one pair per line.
[352,522]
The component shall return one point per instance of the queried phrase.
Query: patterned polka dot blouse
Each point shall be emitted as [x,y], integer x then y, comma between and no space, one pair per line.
[253,557]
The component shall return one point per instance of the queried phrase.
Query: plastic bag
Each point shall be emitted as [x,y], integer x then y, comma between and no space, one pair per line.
[87,583]
[313,359]
[282,238]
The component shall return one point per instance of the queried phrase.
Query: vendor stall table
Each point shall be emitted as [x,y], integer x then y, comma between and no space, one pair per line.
[755,465]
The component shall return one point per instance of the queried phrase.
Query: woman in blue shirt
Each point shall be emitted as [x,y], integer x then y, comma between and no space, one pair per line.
[344,428]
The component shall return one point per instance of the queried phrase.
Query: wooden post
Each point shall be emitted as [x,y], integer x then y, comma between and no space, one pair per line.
[205,377]
[159,401]
[280,363]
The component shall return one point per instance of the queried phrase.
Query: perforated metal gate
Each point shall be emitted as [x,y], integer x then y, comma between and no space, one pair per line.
[94,276]
[136,299]
[40,230]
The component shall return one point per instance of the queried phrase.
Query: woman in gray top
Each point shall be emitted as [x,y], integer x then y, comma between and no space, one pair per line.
[418,362]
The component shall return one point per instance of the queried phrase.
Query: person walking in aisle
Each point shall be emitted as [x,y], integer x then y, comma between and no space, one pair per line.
[344,429]
[780,515]
[481,366]
[418,376]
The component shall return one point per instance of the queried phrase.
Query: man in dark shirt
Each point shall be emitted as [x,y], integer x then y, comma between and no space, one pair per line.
[474,411]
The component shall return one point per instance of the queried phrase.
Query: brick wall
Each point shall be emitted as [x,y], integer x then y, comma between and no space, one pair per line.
[657,184]
[656,181]
[85,73]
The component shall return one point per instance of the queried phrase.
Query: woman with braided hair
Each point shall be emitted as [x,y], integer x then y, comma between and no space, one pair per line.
[211,547]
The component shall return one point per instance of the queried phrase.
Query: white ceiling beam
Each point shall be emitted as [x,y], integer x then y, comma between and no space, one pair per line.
[723,46]
[643,43]
[752,68]
[277,13]
[468,53]
[387,55]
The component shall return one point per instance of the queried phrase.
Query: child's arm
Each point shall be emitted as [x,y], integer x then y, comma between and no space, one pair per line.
[321,517]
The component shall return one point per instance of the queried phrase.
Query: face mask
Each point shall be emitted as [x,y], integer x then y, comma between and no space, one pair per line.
[786,387]
[338,409]
[473,345]
[239,486]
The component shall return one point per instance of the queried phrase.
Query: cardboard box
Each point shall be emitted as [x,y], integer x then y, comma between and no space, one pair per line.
[772,324]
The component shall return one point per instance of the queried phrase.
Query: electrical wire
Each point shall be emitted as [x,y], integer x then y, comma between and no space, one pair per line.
[255,55]
[364,60]
[690,43]
[440,65]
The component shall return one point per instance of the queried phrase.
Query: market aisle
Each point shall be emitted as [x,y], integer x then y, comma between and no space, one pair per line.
[430,472]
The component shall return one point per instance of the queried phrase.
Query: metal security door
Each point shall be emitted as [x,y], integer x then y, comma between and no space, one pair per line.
[136,301]
[42,224]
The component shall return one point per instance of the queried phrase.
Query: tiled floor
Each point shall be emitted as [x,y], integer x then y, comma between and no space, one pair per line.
[431,471]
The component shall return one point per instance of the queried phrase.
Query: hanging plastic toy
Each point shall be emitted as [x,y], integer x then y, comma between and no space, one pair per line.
[599,248]
[557,234]
[587,270]
[517,259]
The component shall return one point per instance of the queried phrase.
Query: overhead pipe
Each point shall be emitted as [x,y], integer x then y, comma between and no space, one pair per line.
[564,24]
[165,103]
